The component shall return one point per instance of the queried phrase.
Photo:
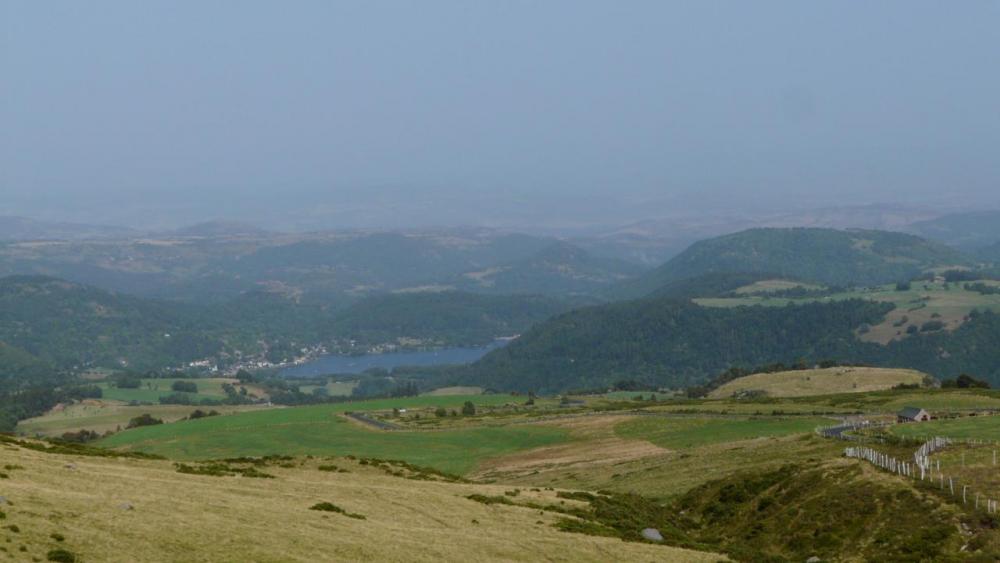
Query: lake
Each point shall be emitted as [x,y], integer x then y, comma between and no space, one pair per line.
[334,363]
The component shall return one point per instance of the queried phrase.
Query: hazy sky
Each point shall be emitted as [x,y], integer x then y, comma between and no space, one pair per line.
[424,112]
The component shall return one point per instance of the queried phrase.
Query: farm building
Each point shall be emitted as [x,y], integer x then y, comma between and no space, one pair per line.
[912,414]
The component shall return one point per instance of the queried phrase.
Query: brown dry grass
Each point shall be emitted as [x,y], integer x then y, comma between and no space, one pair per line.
[594,443]
[810,382]
[178,517]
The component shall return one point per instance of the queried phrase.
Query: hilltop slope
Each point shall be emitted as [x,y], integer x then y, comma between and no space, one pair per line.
[812,382]
[558,269]
[668,342]
[108,510]
[827,256]
[969,231]
[71,325]
[674,343]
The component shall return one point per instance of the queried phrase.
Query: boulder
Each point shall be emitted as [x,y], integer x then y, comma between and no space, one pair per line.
[652,534]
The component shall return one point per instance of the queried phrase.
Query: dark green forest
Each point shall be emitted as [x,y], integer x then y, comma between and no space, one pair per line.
[674,343]
[71,326]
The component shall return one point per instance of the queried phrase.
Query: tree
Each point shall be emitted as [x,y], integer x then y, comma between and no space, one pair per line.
[468,409]
[440,412]
[144,420]
[182,386]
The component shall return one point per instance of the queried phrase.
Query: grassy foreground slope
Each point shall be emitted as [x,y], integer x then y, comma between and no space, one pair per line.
[322,430]
[829,381]
[141,510]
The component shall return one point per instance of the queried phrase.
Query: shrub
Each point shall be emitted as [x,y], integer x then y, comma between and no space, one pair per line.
[931,326]
[127,382]
[145,419]
[184,386]
[330,507]
[61,556]
[440,412]
[176,399]
[80,437]
[468,409]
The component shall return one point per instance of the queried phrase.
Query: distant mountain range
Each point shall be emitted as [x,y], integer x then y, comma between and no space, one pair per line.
[216,262]
[967,231]
[23,228]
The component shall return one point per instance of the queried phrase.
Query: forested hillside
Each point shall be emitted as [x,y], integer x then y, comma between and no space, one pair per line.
[668,342]
[452,318]
[827,256]
[72,326]
[675,343]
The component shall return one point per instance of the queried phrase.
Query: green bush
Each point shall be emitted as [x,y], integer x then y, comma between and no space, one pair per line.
[145,419]
[182,386]
[330,507]
[61,556]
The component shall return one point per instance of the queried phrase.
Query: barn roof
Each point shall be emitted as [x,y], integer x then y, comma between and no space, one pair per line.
[910,412]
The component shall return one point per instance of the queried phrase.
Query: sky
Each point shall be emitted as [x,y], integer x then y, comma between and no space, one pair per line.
[502,113]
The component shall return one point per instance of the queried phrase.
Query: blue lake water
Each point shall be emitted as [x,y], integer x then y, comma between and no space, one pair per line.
[325,365]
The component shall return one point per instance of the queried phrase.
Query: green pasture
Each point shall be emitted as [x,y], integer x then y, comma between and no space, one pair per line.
[320,430]
[975,427]
[152,389]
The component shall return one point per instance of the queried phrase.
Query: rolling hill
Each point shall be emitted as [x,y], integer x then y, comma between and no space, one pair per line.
[668,342]
[827,256]
[676,343]
[968,231]
[813,382]
[559,269]
[70,326]
[448,317]
[219,261]
[113,512]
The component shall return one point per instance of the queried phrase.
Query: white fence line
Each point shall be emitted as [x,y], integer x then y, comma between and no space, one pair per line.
[921,469]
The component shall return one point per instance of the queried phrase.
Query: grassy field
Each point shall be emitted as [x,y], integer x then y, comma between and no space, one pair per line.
[100,415]
[976,427]
[923,302]
[152,389]
[683,432]
[456,391]
[830,381]
[771,286]
[124,510]
[320,430]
